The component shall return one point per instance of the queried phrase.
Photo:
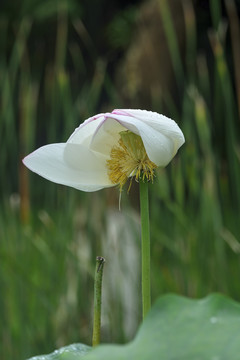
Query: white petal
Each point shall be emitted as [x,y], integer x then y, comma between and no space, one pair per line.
[71,165]
[106,136]
[84,133]
[161,136]
[159,122]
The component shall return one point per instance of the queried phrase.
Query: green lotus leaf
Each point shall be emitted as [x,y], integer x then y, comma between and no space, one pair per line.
[177,328]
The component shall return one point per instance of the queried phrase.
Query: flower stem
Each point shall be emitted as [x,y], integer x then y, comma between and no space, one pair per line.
[97,300]
[146,286]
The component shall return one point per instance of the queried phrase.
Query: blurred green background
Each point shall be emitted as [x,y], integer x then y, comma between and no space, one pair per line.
[63,61]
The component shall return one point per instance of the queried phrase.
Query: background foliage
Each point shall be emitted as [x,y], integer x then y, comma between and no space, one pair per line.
[63,61]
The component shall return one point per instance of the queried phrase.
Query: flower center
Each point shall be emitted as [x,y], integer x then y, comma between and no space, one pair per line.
[128,159]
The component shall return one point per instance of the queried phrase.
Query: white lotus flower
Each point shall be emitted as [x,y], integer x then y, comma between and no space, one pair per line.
[109,148]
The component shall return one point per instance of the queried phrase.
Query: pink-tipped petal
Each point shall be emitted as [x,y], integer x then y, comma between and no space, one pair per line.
[84,133]
[161,136]
[159,122]
[106,136]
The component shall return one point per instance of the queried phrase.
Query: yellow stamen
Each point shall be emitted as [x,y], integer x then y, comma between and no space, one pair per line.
[128,159]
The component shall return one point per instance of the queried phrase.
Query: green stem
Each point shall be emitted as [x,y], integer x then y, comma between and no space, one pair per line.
[97,300]
[146,284]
